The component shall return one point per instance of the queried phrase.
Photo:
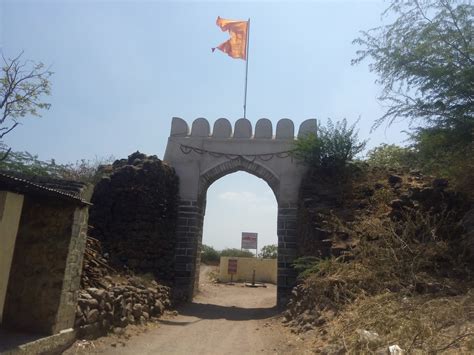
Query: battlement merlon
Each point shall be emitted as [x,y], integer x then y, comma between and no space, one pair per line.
[285,129]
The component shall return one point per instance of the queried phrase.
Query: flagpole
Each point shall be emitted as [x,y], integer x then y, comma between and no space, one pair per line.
[246,68]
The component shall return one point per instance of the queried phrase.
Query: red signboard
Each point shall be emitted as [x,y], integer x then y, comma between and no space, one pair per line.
[249,240]
[232,266]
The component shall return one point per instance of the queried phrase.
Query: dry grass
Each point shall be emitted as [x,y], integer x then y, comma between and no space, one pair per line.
[406,281]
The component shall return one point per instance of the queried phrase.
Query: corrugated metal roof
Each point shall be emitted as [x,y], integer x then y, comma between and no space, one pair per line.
[44,186]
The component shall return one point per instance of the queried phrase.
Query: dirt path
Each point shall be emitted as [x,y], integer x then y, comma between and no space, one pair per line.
[222,319]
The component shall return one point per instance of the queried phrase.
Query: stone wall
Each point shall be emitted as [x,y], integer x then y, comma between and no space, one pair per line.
[46,266]
[134,215]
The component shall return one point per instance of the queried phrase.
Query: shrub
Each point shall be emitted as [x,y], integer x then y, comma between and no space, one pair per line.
[237,253]
[331,146]
[26,163]
[391,156]
[269,252]
[209,255]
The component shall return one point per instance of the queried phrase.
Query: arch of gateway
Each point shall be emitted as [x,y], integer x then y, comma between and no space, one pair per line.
[201,156]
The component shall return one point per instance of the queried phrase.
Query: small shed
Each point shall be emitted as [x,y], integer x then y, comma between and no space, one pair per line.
[43,228]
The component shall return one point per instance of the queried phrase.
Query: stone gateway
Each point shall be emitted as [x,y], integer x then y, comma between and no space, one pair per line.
[201,157]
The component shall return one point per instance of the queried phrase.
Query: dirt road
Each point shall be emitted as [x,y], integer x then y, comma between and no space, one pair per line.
[222,319]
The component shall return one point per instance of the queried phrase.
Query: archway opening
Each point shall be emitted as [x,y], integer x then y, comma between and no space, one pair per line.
[236,203]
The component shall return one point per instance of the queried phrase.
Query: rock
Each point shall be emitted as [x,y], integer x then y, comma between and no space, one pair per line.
[137,310]
[98,294]
[369,338]
[91,303]
[118,330]
[395,350]
[396,204]
[394,179]
[439,183]
[159,307]
[93,316]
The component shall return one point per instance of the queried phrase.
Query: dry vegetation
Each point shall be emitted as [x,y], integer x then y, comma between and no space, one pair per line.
[406,280]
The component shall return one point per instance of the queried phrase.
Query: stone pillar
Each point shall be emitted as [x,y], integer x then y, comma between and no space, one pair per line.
[188,248]
[10,212]
[287,250]
[72,272]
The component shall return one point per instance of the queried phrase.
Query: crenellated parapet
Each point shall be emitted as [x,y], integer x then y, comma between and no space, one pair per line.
[201,156]
[222,129]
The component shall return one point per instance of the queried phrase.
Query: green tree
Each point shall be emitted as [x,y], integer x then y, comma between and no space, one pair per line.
[25,163]
[425,62]
[237,253]
[209,255]
[391,156]
[269,252]
[331,146]
[22,85]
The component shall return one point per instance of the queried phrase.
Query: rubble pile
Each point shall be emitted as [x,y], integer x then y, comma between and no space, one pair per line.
[110,300]
[101,310]
[134,215]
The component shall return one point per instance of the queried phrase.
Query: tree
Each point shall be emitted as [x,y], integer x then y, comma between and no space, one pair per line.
[209,255]
[22,85]
[269,252]
[391,156]
[244,253]
[331,146]
[425,62]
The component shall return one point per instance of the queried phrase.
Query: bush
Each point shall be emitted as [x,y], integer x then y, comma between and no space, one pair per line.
[391,156]
[449,153]
[28,164]
[209,255]
[237,253]
[269,252]
[331,146]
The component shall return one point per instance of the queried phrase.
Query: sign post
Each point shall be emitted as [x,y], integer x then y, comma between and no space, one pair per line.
[232,268]
[249,241]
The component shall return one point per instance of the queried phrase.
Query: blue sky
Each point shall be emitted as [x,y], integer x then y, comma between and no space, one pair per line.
[122,69]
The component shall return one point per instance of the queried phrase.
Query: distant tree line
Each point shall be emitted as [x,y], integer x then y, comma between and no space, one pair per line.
[210,255]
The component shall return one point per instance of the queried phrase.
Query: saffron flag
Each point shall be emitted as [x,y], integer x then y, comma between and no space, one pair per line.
[236,46]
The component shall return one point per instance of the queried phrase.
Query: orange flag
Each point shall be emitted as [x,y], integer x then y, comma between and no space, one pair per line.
[236,46]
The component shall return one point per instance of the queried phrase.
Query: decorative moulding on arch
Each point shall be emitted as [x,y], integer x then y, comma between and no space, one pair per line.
[285,129]
[239,164]
[222,128]
[243,128]
[308,126]
[179,127]
[264,129]
[200,128]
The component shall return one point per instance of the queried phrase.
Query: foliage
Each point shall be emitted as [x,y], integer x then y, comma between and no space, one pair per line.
[398,282]
[447,152]
[269,251]
[331,146]
[391,156]
[22,84]
[28,164]
[209,255]
[425,61]
[237,253]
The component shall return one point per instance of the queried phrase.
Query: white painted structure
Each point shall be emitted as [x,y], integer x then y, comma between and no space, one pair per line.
[201,157]
[10,212]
